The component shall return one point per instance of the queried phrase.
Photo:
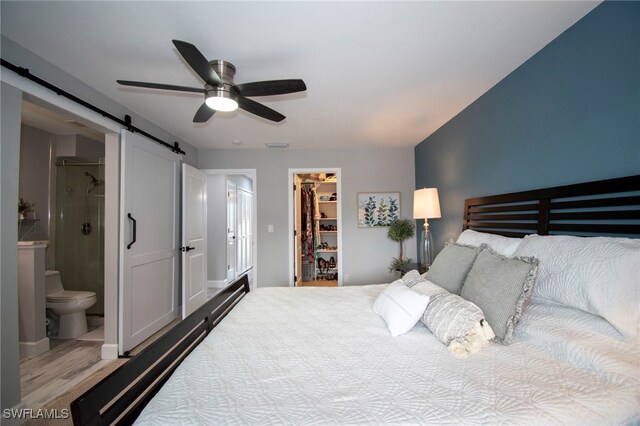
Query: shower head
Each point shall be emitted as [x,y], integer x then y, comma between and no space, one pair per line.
[94,182]
[93,179]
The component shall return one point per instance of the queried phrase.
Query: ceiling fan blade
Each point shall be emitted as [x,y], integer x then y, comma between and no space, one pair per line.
[273,87]
[198,62]
[203,114]
[160,86]
[258,109]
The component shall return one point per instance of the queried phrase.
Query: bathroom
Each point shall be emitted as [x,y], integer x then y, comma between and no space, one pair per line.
[61,212]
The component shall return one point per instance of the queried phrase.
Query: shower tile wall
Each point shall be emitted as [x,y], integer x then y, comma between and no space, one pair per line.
[80,256]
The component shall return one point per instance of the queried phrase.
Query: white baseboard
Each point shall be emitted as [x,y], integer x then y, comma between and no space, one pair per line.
[217,284]
[109,351]
[31,349]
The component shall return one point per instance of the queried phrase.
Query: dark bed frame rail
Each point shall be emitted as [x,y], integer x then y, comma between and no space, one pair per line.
[606,207]
[144,374]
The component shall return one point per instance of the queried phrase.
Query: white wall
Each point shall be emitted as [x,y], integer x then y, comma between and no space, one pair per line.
[35,159]
[216,228]
[9,160]
[367,252]
[78,146]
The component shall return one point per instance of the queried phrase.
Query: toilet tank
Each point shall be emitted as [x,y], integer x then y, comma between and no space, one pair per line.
[52,282]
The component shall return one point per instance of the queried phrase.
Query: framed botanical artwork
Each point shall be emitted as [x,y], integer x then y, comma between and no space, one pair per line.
[378,208]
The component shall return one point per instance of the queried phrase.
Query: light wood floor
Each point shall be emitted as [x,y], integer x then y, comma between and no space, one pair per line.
[48,376]
[45,377]
[322,283]
[51,375]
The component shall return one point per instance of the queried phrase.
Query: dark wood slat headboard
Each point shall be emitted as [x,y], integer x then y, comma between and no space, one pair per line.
[605,207]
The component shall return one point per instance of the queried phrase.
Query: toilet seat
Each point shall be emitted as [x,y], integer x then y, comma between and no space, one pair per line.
[69,295]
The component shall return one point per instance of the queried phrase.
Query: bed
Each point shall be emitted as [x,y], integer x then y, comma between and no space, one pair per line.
[322,356]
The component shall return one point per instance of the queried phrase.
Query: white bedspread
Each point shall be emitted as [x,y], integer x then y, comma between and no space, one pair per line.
[321,356]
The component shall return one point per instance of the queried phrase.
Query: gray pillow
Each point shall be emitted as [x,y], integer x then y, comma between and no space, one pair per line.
[450,317]
[451,266]
[500,286]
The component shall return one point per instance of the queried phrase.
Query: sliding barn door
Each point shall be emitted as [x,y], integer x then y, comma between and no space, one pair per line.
[148,294]
[194,239]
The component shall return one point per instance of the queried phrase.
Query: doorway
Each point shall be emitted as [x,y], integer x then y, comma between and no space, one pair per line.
[231,224]
[315,224]
[62,174]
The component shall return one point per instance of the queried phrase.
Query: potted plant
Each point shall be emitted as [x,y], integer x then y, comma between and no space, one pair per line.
[400,230]
[24,208]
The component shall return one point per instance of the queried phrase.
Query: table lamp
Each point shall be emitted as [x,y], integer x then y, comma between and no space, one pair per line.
[426,206]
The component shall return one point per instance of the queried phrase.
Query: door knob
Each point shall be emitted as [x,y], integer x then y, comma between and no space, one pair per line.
[187,248]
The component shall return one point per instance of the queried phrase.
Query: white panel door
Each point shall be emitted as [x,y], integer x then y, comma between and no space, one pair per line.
[194,239]
[148,292]
[244,231]
[231,231]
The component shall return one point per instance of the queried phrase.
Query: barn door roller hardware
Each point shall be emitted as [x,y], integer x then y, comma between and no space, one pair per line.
[24,72]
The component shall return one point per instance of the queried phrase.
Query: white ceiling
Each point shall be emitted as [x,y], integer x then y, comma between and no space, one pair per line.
[56,122]
[379,74]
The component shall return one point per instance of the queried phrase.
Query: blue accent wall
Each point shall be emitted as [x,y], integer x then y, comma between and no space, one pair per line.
[570,114]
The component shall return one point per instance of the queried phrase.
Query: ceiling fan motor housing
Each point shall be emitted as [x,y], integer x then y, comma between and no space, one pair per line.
[226,71]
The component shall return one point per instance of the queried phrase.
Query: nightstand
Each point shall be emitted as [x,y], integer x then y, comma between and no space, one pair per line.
[411,266]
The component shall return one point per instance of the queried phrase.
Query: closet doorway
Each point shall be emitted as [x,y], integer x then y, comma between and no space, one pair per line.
[315,224]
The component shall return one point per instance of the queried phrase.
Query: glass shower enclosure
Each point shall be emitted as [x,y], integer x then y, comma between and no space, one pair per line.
[79,232]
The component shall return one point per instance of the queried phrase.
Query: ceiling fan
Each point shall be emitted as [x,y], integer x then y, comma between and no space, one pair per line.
[220,92]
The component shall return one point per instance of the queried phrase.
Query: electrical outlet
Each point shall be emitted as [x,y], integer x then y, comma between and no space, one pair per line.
[346,278]
[270,228]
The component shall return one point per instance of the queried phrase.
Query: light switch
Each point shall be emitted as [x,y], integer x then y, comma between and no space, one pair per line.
[270,228]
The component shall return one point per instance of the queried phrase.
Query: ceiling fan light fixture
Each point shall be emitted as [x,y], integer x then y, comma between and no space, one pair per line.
[221,100]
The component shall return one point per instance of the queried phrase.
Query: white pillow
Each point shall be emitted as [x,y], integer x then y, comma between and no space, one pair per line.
[599,275]
[400,307]
[502,245]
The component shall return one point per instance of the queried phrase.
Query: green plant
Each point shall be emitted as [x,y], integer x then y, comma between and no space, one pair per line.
[24,207]
[399,231]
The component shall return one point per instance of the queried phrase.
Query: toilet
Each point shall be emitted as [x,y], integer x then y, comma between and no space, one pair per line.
[69,305]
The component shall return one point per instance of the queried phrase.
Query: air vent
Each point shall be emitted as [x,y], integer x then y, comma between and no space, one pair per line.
[277,145]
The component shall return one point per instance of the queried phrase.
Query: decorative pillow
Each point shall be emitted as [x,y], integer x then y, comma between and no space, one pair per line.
[599,275]
[500,286]
[457,323]
[400,307]
[412,278]
[502,245]
[451,266]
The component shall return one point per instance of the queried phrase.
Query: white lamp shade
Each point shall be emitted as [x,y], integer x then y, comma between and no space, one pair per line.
[426,204]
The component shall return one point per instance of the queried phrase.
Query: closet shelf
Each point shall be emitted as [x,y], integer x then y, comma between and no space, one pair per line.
[327,251]
[326,218]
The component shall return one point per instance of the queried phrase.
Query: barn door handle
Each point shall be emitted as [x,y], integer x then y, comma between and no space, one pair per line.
[135,223]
